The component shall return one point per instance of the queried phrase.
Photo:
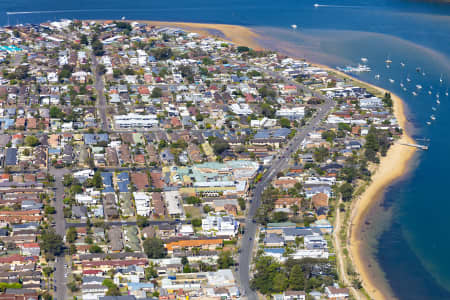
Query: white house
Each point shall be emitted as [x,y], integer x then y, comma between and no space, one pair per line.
[142,201]
[132,120]
[220,224]
[293,113]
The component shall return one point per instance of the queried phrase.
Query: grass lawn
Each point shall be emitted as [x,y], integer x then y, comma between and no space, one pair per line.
[193,211]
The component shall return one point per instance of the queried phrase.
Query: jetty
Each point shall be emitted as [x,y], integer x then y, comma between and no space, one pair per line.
[421,147]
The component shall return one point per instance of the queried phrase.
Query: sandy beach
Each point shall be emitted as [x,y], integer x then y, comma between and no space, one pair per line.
[239,35]
[391,167]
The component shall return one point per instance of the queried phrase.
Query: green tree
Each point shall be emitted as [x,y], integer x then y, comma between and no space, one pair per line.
[193,200]
[31,141]
[328,135]
[73,286]
[279,216]
[150,272]
[387,100]
[66,72]
[154,248]
[97,47]
[344,127]
[346,190]
[113,290]
[71,235]
[97,180]
[265,270]
[297,278]
[285,123]
[156,92]
[196,222]
[243,49]
[220,145]
[225,260]
[68,180]
[84,39]
[142,222]
[49,210]
[241,202]
[55,112]
[320,154]
[280,283]
[95,249]
[47,271]
[51,243]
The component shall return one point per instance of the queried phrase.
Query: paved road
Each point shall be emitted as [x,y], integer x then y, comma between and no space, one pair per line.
[60,228]
[101,100]
[279,164]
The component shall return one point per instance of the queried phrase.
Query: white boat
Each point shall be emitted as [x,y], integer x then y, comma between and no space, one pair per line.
[433,117]
[437,95]
[429,92]
[377,76]
[404,89]
[414,93]
[438,102]
[391,80]
[433,108]
[440,79]
[316,5]
[407,79]
[401,84]
[418,86]
[364,60]
[360,68]
[423,74]
[402,64]
[428,123]
[446,93]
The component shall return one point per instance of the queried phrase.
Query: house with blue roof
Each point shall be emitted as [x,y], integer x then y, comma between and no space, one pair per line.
[276,253]
[107,179]
[123,176]
[11,157]
[123,186]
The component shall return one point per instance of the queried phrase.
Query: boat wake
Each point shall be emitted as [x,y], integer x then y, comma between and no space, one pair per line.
[337,6]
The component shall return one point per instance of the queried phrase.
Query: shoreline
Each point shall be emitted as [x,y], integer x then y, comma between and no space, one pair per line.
[391,167]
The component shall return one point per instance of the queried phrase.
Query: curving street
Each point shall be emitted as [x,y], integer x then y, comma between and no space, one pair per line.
[279,164]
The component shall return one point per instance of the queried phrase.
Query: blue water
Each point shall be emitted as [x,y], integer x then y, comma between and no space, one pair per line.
[412,251]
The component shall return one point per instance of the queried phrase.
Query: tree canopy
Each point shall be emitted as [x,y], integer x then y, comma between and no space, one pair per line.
[51,243]
[154,248]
